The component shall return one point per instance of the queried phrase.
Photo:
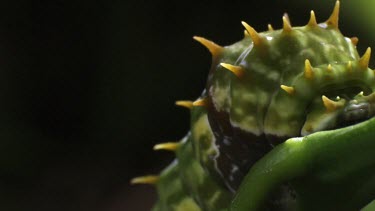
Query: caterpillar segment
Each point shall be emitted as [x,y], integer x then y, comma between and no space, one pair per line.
[255,112]
[290,82]
[185,184]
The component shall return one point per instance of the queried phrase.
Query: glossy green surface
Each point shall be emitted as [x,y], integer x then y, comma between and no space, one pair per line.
[332,170]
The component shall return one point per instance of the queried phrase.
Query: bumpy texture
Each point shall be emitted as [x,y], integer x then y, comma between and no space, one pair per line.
[261,91]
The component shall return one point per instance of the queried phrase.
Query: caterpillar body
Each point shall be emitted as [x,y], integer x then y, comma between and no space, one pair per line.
[261,91]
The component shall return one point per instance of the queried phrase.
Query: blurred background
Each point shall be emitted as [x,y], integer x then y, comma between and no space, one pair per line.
[88,87]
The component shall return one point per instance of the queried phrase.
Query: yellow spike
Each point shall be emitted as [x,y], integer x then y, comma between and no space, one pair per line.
[309,74]
[286,16]
[270,28]
[201,102]
[148,179]
[257,39]
[329,68]
[246,34]
[329,104]
[286,24]
[214,48]
[312,21]
[349,66]
[360,94]
[237,70]
[169,146]
[364,61]
[354,40]
[333,20]
[290,90]
[185,103]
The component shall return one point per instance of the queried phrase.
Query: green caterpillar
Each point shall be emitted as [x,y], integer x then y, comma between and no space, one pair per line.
[285,123]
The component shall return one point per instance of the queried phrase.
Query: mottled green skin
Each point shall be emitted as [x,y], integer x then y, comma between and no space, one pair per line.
[172,195]
[329,170]
[186,180]
[254,102]
[255,105]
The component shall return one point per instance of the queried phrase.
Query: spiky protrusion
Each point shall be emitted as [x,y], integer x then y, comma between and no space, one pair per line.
[148,179]
[237,70]
[270,28]
[360,94]
[245,33]
[214,48]
[333,20]
[354,40]
[287,27]
[309,74]
[330,104]
[329,68]
[288,89]
[185,103]
[312,21]
[201,102]
[169,146]
[257,39]
[365,59]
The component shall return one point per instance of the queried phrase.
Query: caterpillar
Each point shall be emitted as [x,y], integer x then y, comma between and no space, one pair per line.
[284,123]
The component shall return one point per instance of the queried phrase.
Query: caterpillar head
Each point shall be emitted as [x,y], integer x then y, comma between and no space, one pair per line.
[282,83]
[342,104]
[346,109]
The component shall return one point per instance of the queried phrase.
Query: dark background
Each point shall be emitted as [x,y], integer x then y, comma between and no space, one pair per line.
[88,87]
